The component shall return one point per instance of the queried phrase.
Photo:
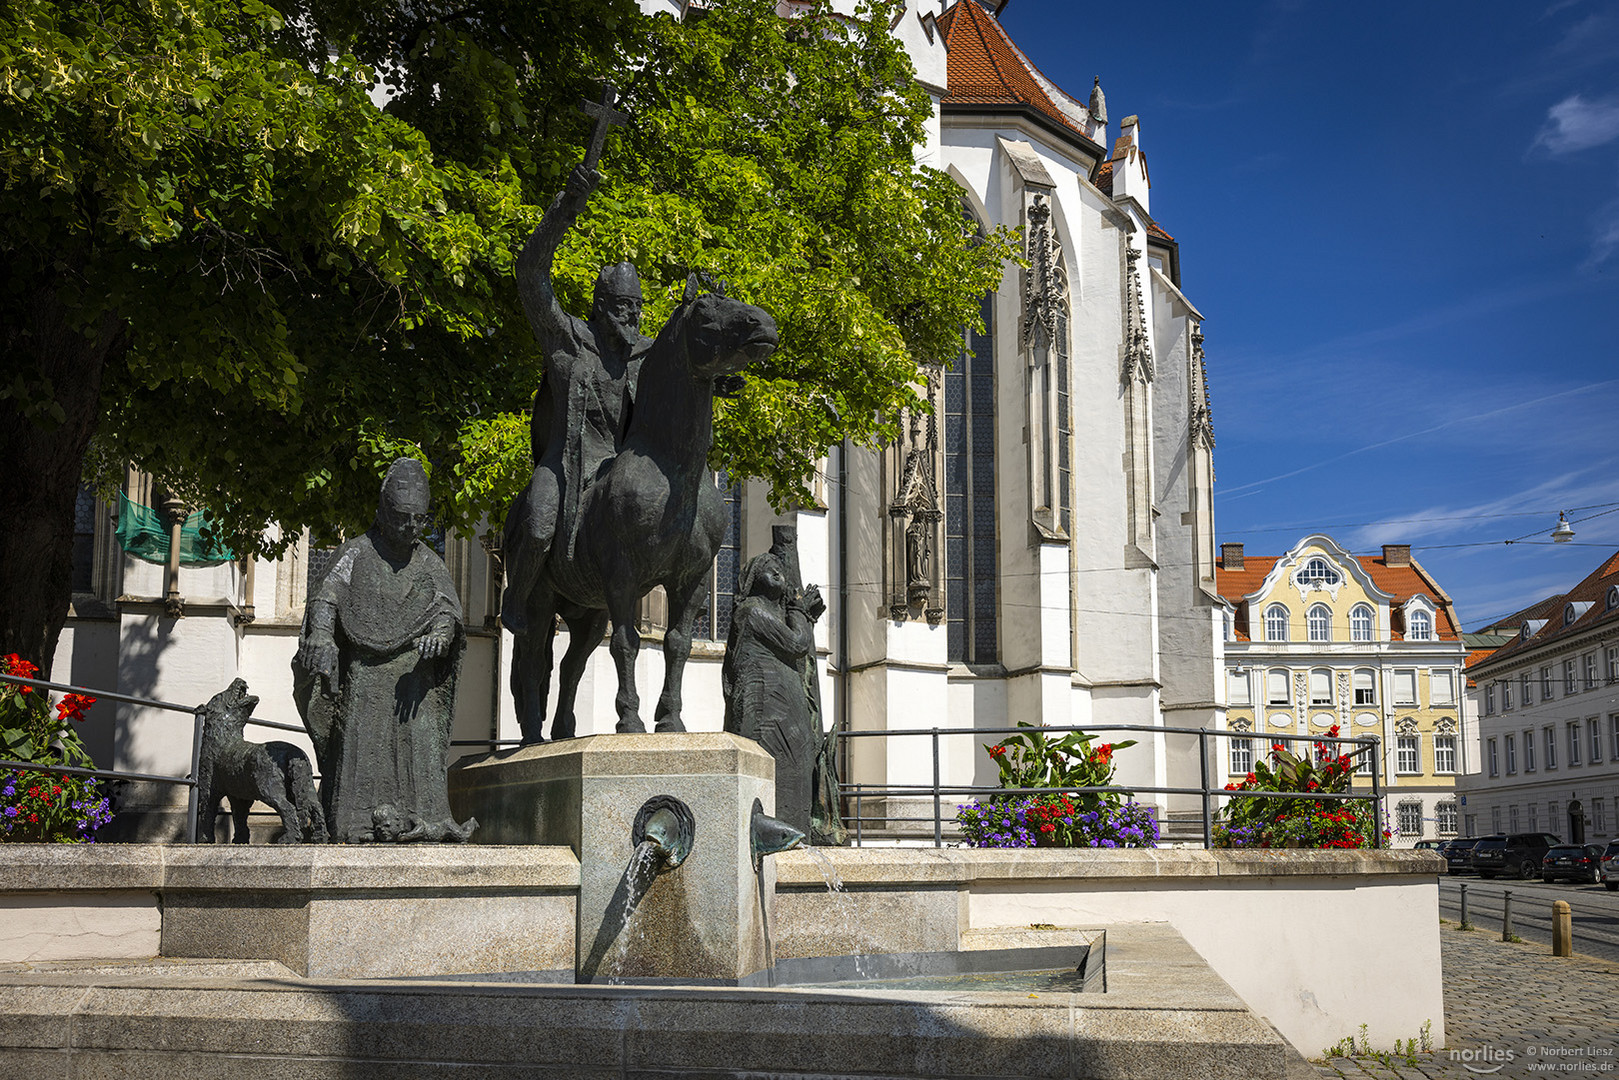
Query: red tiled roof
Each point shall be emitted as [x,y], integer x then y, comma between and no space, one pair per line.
[1104,177]
[1593,590]
[1154,229]
[983,67]
[1402,582]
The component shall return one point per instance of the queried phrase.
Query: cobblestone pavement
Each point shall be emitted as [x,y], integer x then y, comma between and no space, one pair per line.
[1554,1016]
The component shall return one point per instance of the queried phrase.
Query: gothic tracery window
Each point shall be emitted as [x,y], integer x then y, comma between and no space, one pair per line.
[973,579]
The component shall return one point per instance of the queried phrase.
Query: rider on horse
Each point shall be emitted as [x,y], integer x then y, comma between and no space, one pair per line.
[583,402]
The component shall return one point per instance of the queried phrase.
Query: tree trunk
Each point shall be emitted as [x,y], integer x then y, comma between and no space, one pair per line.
[44,459]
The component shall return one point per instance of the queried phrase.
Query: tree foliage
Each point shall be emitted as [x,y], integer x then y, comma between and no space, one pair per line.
[232,266]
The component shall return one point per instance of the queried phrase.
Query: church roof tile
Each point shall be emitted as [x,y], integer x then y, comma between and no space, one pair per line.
[984,67]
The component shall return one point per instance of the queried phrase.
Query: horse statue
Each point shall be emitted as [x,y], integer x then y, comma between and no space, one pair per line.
[651,517]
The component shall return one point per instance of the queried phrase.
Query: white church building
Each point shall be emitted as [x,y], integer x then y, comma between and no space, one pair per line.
[1040,548]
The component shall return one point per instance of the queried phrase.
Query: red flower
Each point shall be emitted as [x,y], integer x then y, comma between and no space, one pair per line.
[997,751]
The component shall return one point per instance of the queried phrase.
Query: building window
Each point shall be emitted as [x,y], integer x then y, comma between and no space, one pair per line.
[1573,742]
[713,621]
[84,540]
[1550,740]
[1495,819]
[1613,735]
[1444,753]
[1568,677]
[1489,746]
[1419,626]
[1511,747]
[1317,572]
[1242,756]
[1594,730]
[1408,754]
[1441,688]
[1365,687]
[1410,819]
[1529,750]
[1320,686]
[1319,623]
[1512,817]
[1546,683]
[1525,694]
[1276,687]
[1365,757]
[1489,700]
[1599,817]
[1405,686]
[1613,663]
[1276,623]
[1360,623]
[1238,688]
[1534,816]
[1444,817]
[1551,815]
[1506,695]
[973,577]
[1591,671]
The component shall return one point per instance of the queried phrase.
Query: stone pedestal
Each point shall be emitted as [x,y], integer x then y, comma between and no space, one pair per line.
[702,921]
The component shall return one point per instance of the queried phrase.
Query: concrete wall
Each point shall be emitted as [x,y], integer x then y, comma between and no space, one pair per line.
[1317,942]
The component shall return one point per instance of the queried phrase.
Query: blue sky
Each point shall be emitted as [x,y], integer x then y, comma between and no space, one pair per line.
[1401,221]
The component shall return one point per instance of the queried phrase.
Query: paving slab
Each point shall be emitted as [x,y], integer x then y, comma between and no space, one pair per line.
[1512,1010]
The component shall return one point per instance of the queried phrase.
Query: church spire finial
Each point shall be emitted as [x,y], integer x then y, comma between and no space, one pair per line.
[1098,102]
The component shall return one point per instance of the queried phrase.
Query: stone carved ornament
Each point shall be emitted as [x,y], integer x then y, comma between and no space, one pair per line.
[1137,347]
[1045,285]
[915,513]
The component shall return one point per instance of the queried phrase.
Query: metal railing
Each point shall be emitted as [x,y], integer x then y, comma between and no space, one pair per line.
[856,796]
[189,780]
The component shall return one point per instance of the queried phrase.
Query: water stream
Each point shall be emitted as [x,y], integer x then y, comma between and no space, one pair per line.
[844,904]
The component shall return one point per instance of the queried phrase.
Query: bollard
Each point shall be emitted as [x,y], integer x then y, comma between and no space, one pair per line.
[1506,915]
[1562,929]
[1465,924]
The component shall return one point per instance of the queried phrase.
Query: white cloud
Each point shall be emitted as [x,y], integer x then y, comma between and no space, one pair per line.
[1577,124]
[1605,234]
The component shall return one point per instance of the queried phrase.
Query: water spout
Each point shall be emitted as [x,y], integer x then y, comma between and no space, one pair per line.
[767,835]
[665,823]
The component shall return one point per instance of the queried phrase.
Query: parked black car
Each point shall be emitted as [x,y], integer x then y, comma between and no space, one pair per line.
[1577,862]
[1459,853]
[1515,853]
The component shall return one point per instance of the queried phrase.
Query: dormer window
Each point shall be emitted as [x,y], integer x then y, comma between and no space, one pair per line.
[1318,572]
[1419,626]
[1569,614]
[1573,611]
[1613,598]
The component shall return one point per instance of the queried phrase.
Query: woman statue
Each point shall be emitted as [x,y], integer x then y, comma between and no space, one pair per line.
[771,687]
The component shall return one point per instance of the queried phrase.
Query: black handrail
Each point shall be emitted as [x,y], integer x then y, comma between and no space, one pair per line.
[860,793]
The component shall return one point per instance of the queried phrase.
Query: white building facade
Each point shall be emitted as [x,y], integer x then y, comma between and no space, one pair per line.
[1548,707]
[1039,548]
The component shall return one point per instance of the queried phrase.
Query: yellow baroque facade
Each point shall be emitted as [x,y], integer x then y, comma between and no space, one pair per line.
[1319,637]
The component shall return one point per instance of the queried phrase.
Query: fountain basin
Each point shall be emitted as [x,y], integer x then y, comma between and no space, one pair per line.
[1174,1018]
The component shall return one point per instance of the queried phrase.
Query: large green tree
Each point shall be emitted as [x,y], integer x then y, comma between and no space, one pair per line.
[224,262]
